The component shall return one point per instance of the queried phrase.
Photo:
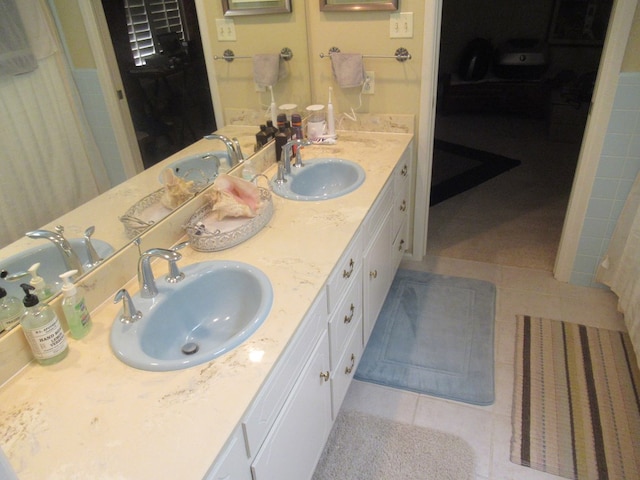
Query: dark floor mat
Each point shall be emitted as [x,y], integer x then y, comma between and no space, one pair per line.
[457,168]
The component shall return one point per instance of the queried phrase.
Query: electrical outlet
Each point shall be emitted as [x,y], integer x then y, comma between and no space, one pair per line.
[401,25]
[226,29]
[369,86]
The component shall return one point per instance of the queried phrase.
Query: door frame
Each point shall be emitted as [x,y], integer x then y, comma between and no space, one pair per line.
[115,97]
[622,15]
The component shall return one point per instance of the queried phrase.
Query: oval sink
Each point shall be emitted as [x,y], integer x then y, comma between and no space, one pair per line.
[321,179]
[201,168]
[217,306]
[51,263]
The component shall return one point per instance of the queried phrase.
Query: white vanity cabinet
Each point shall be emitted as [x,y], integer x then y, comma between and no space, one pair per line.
[402,204]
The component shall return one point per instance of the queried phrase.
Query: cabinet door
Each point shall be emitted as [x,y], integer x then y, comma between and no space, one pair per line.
[378,274]
[232,463]
[295,443]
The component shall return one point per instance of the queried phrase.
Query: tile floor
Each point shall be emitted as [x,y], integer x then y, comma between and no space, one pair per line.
[488,429]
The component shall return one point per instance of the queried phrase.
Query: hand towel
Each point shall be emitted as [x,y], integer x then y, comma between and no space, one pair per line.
[268,68]
[348,69]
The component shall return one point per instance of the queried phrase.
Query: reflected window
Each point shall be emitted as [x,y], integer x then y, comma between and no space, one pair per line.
[148,21]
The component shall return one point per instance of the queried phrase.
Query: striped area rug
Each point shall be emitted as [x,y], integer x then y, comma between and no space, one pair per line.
[576,409]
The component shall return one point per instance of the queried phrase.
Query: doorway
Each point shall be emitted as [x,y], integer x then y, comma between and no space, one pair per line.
[160,59]
[535,117]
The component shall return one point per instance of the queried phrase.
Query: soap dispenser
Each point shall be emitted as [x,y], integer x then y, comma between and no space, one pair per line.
[11,308]
[42,329]
[42,290]
[74,307]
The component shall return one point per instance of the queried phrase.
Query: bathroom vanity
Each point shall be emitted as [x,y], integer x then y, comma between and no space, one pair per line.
[330,264]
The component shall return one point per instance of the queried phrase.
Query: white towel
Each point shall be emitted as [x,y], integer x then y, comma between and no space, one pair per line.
[268,68]
[348,69]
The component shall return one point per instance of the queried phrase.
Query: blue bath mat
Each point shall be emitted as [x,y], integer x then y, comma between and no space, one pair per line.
[434,336]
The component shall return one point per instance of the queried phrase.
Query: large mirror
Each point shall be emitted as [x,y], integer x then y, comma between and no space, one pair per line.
[97,221]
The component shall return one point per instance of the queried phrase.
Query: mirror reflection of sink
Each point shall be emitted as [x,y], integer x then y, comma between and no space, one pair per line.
[51,263]
[321,179]
[217,306]
[201,168]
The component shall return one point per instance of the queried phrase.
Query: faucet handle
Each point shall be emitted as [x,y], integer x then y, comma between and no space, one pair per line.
[59,229]
[175,275]
[129,312]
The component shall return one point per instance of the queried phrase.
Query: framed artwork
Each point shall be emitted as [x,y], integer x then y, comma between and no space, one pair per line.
[255,7]
[580,22]
[357,6]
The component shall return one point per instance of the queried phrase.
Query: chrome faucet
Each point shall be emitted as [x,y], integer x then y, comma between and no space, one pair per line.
[129,312]
[284,167]
[148,288]
[94,257]
[71,260]
[234,155]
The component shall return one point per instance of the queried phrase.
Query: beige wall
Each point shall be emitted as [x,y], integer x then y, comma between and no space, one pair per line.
[631,61]
[397,85]
[261,34]
[74,33]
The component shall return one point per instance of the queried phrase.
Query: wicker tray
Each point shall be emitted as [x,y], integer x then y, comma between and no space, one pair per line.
[209,235]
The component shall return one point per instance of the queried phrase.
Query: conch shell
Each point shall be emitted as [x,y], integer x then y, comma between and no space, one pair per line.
[177,190]
[233,197]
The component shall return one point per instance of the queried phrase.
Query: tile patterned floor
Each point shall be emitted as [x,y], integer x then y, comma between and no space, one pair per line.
[488,429]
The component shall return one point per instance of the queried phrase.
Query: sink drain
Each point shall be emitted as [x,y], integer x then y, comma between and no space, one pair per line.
[190,348]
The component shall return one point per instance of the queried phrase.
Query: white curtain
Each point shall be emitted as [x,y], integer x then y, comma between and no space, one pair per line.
[620,269]
[47,157]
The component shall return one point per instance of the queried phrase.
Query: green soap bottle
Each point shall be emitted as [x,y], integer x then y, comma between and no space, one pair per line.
[74,308]
[42,329]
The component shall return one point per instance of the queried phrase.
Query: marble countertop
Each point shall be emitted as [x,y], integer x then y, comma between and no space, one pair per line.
[92,416]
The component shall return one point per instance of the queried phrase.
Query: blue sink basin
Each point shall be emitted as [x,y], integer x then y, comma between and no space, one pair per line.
[201,168]
[217,306]
[51,263]
[321,179]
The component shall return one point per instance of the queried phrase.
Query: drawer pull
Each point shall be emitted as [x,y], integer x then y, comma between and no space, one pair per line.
[349,369]
[325,376]
[373,274]
[401,245]
[404,171]
[403,207]
[347,319]
[346,274]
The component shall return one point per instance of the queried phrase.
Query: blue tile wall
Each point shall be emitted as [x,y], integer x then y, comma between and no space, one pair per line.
[618,168]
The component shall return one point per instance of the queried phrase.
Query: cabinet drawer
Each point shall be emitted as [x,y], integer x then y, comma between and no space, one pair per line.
[402,200]
[345,369]
[345,319]
[343,275]
[399,245]
[265,408]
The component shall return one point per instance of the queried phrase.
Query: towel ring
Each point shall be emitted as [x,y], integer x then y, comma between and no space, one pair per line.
[401,54]
[228,55]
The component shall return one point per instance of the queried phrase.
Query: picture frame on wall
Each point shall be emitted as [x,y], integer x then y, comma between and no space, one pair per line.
[255,7]
[580,22]
[358,6]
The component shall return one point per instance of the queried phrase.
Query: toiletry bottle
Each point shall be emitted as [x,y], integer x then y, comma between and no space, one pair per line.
[271,130]
[281,140]
[282,119]
[261,136]
[42,329]
[74,308]
[11,309]
[42,290]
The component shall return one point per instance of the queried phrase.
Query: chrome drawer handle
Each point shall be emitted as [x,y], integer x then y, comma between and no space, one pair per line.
[373,274]
[325,376]
[401,245]
[349,369]
[404,171]
[403,207]
[347,319]
[346,274]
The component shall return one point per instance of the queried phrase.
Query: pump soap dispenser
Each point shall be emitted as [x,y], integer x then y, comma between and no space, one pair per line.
[42,329]
[42,290]
[11,308]
[74,307]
